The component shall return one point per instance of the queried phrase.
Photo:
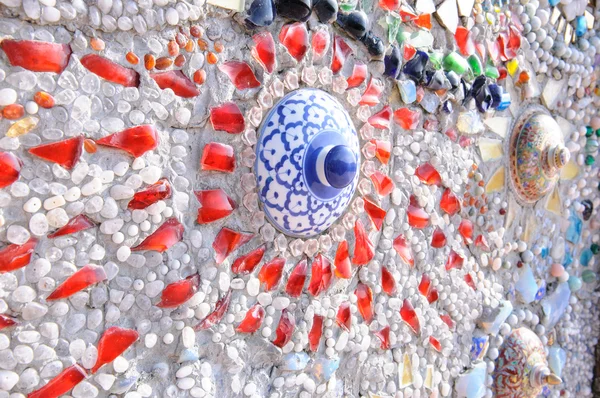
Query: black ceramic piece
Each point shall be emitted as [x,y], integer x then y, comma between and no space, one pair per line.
[588,208]
[260,13]
[374,45]
[453,79]
[437,80]
[415,68]
[392,63]
[354,23]
[296,10]
[326,10]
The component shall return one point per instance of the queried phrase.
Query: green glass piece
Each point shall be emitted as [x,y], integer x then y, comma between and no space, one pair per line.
[492,72]
[589,160]
[456,63]
[595,248]
[402,36]
[348,6]
[574,283]
[393,24]
[436,58]
[588,276]
[598,133]
[589,131]
[591,146]
[475,64]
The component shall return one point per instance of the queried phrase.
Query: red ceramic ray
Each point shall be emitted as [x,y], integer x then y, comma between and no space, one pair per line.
[177,293]
[65,153]
[447,320]
[359,75]
[316,330]
[363,247]
[509,43]
[454,261]
[493,47]
[84,277]
[344,317]
[364,302]
[465,229]
[321,275]
[13,257]
[381,120]
[215,317]
[407,14]
[408,315]
[404,251]
[435,343]
[383,183]
[135,140]
[6,321]
[389,5]
[297,278]
[76,224]
[158,191]
[270,273]
[424,285]
[285,329]
[114,342]
[214,205]
[165,236]
[240,74]
[464,40]
[320,44]
[438,238]
[384,336]
[264,50]
[111,71]
[343,266]
[428,174]
[423,21]
[449,202]
[181,85]
[383,149]
[217,157]
[376,214]
[37,56]
[253,319]
[407,118]
[482,243]
[469,281]
[433,295]
[408,51]
[61,384]
[294,38]
[10,169]
[417,217]
[247,263]
[341,51]
[388,283]
[227,241]
[372,93]
[227,117]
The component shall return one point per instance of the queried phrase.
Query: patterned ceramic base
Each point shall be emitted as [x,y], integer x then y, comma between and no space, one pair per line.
[298,140]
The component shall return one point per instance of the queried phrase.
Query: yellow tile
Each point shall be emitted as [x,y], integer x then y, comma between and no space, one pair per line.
[490,149]
[570,170]
[496,181]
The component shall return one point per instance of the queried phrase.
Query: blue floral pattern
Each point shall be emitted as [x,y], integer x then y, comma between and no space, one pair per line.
[289,128]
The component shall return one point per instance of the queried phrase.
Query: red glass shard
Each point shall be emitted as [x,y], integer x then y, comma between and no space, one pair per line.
[285,329]
[320,44]
[321,275]
[381,120]
[438,239]
[389,5]
[464,40]
[297,278]
[294,38]
[417,217]
[113,343]
[383,183]
[181,85]
[364,296]
[215,317]
[314,336]
[482,243]
[447,320]
[376,214]
[424,285]
[408,314]
[464,141]
[217,157]
[433,295]
[270,273]
[388,283]
[408,51]
[10,169]
[373,91]
[227,241]
[65,153]
[240,74]
[404,251]
[61,384]
[470,282]
[37,56]
[449,202]
[264,50]
[359,75]
[493,48]
[407,118]
[344,317]
[165,236]
[435,343]
[384,336]
[13,257]
[6,321]
[454,261]
[111,71]
[508,43]
[466,230]
[227,117]
[84,277]
[363,247]
[343,266]
[428,174]
[423,21]
[158,191]
[214,205]
[247,263]
[341,51]
[253,319]
[135,140]
[177,293]
[383,149]
[407,14]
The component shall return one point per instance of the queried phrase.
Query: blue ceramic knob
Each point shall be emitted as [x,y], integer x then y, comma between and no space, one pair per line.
[307,162]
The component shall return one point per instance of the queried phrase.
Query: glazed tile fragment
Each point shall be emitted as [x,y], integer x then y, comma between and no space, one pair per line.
[381,120]
[341,51]
[384,337]
[401,246]
[320,44]
[6,321]
[449,203]
[383,183]
[408,314]
[359,75]
[428,174]
[372,92]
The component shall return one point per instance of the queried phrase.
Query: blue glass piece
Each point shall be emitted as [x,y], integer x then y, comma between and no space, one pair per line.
[553,3]
[479,347]
[189,354]
[482,94]
[568,259]
[471,384]
[574,283]
[494,317]
[295,361]
[340,166]
[392,63]
[574,231]
[586,257]
[447,107]
[261,13]
[545,252]
[541,293]
[526,286]
[504,102]
[323,368]
[415,68]
[557,358]
[581,26]
[555,305]
[408,91]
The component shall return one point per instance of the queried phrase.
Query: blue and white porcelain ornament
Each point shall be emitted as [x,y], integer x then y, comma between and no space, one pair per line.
[307,162]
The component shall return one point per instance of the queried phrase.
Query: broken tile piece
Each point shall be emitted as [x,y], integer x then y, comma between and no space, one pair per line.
[553,90]
[496,181]
[490,149]
[236,5]
[498,125]
[447,14]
